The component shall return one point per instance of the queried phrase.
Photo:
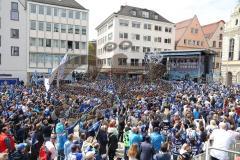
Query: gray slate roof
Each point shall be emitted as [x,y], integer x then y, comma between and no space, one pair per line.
[127,11]
[63,3]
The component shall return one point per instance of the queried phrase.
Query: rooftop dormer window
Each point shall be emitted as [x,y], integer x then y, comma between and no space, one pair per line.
[145,14]
[134,13]
[156,17]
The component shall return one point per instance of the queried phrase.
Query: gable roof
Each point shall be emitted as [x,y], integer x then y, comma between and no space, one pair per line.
[63,3]
[181,28]
[210,29]
[127,11]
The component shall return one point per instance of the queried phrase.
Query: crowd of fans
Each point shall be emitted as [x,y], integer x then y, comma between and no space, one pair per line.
[153,121]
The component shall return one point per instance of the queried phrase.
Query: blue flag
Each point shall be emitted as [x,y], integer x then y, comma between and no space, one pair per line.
[94,127]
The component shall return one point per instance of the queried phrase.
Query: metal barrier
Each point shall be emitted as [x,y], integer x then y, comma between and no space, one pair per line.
[232,152]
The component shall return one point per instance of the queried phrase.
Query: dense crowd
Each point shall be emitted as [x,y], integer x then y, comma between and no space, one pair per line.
[154,121]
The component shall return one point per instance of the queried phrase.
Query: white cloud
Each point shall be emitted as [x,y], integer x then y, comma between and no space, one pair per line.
[208,11]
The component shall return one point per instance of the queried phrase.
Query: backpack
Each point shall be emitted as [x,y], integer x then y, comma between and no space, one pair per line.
[44,153]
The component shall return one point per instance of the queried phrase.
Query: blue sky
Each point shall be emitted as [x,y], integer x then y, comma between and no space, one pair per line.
[208,11]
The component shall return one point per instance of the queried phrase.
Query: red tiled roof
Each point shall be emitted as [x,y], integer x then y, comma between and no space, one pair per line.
[210,29]
[181,28]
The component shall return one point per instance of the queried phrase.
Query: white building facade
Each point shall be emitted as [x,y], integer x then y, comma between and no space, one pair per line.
[231,49]
[56,27]
[13,40]
[124,38]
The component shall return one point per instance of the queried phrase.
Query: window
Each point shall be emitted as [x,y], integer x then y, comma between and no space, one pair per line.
[70,14]
[56,43]
[48,43]
[49,27]
[123,35]
[147,38]
[40,42]
[63,44]
[70,28]
[63,13]
[14,11]
[156,17]
[14,51]
[158,39]
[220,45]
[33,8]
[83,45]
[136,24]
[145,14]
[158,28]
[15,33]
[110,35]
[196,31]
[123,22]
[135,49]
[55,10]
[146,49]
[198,43]
[189,42]
[168,40]
[32,41]
[167,29]
[134,62]
[76,45]
[236,22]
[214,44]
[41,9]
[56,27]
[231,49]
[84,31]
[63,28]
[33,25]
[49,11]
[70,44]
[77,15]
[220,36]
[122,61]
[84,16]
[148,26]
[41,26]
[77,29]
[136,36]
[185,41]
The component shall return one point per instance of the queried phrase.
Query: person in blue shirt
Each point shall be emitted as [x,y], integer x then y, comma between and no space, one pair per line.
[156,139]
[196,113]
[61,138]
[67,146]
[135,137]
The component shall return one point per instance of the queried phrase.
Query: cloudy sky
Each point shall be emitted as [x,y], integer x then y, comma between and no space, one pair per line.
[208,11]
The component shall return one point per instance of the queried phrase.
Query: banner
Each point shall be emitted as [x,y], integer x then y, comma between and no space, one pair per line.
[46,84]
[62,67]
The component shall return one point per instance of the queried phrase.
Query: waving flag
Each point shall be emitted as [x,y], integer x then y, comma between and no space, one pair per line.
[62,67]
[59,70]
[94,127]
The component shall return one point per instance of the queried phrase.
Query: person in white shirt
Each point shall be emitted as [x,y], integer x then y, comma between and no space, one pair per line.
[222,139]
[51,147]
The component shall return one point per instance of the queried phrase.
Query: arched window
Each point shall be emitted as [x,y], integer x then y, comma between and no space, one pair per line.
[231,49]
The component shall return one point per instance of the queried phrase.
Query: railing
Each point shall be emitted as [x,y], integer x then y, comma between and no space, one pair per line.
[233,152]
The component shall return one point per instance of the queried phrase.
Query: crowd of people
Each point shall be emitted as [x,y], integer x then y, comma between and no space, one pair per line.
[153,121]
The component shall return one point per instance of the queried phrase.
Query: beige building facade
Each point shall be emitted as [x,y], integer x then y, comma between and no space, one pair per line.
[214,35]
[231,49]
